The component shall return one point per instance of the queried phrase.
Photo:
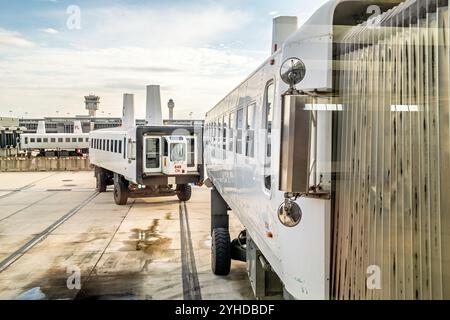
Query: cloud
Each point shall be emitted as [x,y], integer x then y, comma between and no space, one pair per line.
[122,26]
[144,68]
[13,40]
[122,49]
[50,31]
[196,78]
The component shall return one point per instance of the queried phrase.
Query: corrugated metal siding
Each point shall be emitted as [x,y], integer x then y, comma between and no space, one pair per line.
[392,201]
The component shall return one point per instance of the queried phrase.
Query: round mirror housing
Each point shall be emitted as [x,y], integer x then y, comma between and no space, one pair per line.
[290,214]
[292,71]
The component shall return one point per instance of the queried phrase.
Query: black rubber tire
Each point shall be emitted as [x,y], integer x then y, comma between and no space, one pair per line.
[101,181]
[184,192]
[220,252]
[120,193]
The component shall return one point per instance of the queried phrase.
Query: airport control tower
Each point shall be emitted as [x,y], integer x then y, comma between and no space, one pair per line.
[171,105]
[92,102]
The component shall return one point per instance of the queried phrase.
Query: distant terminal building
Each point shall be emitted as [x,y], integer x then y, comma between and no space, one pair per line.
[10,129]
[65,125]
[91,122]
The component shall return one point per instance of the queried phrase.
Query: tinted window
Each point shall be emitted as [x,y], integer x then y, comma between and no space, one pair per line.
[240,126]
[268,107]
[152,153]
[191,152]
[177,152]
[124,148]
[166,148]
[250,126]
[231,128]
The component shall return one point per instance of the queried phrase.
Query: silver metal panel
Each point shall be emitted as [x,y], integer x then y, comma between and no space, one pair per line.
[295,144]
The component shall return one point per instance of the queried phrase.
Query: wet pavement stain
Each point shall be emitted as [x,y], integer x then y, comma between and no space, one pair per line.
[53,284]
[127,286]
[149,241]
[105,283]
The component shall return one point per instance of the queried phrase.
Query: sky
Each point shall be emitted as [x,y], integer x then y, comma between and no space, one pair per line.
[54,52]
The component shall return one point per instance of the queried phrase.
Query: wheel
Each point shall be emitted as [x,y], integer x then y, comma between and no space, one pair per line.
[120,192]
[101,181]
[184,192]
[220,252]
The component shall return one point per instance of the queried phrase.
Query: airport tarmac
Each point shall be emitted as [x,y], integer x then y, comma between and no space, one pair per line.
[54,227]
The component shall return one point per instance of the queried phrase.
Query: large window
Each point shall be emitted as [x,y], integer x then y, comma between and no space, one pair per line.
[231,130]
[166,148]
[213,140]
[224,137]
[213,134]
[177,151]
[152,149]
[191,152]
[219,133]
[124,148]
[269,98]
[250,127]
[239,128]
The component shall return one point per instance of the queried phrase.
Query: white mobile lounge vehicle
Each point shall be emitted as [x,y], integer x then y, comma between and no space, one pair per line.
[275,153]
[56,144]
[147,161]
